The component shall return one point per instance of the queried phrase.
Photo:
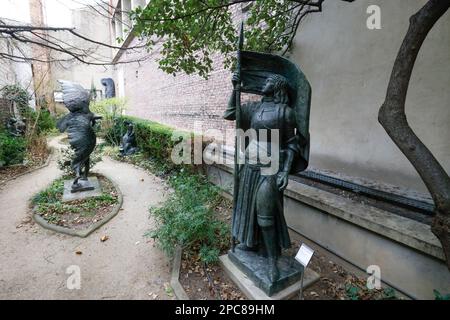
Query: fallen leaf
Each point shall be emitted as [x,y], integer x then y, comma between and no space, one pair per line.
[26,220]
[104,238]
[168,289]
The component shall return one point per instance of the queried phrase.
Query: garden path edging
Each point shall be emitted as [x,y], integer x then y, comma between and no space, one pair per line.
[178,289]
[84,232]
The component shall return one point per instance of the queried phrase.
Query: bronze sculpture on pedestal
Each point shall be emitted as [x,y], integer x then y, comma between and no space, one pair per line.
[258,222]
[79,125]
[128,145]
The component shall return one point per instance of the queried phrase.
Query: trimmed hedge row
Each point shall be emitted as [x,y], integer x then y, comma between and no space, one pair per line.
[154,139]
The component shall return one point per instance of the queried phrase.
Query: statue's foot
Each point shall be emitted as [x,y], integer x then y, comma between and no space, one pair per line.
[274,274]
[82,185]
[243,247]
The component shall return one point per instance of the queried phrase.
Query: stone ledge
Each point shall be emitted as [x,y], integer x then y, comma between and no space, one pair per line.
[406,231]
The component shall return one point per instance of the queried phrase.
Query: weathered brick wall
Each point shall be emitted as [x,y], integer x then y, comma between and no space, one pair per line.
[43,81]
[5,107]
[187,102]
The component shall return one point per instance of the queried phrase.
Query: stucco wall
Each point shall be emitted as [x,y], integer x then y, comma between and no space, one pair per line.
[12,72]
[349,67]
[96,27]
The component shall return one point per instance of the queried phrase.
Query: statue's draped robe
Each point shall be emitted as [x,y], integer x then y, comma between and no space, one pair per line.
[81,135]
[244,223]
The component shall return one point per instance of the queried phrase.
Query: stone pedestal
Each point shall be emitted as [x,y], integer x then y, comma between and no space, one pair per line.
[87,189]
[250,276]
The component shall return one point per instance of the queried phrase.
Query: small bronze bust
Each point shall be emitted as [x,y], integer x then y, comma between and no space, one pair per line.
[128,145]
[110,90]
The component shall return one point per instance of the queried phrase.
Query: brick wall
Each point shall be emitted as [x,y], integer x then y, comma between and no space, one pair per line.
[43,81]
[5,111]
[186,102]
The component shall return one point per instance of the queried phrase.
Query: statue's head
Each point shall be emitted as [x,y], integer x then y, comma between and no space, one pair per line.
[277,86]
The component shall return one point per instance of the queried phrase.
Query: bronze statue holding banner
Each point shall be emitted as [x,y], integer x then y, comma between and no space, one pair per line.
[258,221]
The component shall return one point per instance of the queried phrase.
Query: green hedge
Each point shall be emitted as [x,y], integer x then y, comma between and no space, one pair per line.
[187,217]
[45,123]
[153,139]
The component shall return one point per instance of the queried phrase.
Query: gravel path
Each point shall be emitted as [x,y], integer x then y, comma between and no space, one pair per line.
[34,261]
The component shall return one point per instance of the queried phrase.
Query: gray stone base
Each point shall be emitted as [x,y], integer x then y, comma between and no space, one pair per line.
[91,189]
[256,266]
[83,232]
[249,288]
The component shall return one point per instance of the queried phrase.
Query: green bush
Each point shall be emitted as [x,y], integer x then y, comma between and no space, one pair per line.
[12,149]
[52,194]
[155,140]
[440,296]
[188,218]
[110,109]
[43,121]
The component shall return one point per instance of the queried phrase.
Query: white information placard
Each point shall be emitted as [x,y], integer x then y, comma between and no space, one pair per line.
[304,254]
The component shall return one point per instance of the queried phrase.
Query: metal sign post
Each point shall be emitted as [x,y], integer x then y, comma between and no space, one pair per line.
[303,256]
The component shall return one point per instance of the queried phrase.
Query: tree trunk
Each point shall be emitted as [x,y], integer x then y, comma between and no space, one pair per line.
[393,119]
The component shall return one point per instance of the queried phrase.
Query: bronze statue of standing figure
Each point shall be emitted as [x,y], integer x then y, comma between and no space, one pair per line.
[258,222]
[79,124]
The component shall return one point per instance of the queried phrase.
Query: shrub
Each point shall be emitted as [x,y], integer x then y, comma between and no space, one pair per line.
[16,94]
[155,140]
[110,109]
[42,121]
[50,195]
[12,149]
[33,146]
[188,218]
[440,296]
